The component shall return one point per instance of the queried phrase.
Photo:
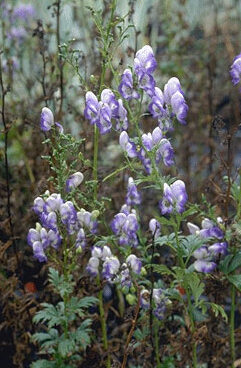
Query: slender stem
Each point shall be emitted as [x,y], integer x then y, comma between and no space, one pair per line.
[103,323]
[95,160]
[232,332]
[6,131]
[157,345]
[151,293]
[190,306]
[134,321]
[60,61]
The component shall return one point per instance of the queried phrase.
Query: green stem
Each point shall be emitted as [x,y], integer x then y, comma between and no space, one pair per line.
[232,317]
[190,306]
[156,341]
[95,160]
[103,323]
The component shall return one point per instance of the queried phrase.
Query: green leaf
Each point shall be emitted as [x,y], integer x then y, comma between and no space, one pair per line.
[162,269]
[43,363]
[235,280]
[218,309]
[65,347]
[196,285]
[230,263]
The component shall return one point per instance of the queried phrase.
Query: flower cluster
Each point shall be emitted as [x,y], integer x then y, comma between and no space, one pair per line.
[235,70]
[24,12]
[112,270]
[47,121]
[19,16]
[174,198]
[207,255]
[102,112]
[159,300]
[54,213]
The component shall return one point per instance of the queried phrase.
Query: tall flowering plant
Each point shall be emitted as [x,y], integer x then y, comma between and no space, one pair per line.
[126,251]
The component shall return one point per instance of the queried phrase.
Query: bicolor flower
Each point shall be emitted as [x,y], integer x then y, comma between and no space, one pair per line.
[80,239]
[125,227]
[121,117]
[145,62]
[174,197]
[179,107]
[111,267]
[208,230]
[155,228]
[126,86]
[93,266]
[69,217]
[132,197]
[151,140]
[134,263]
[87,220]
[156,106]
[165,152]
[46,119]
[170,88]
[74,181]
[127,146]
[235,70]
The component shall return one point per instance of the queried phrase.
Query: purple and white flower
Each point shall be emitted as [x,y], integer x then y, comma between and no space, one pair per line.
[46,119]
[165,152]
[170,88]
[179,107]
[69,217]
[87,220]
[155,228]
[235,70]
[125,227]
[110,268]
[126,86]
[145,62]
[156,106]
[134,263]
[74,181]
[151,140]
[132,196]
[80,239]
[208,230]
[93,266]
[174,197]
[128,146]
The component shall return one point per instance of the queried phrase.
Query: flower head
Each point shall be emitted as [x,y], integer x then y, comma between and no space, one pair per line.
[174,197]
[46,119]
[74,181]
[235,70]
[126,86]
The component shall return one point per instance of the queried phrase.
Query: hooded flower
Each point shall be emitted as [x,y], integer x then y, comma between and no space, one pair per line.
[74,181]
[174,197]
[126,86]
[235,70]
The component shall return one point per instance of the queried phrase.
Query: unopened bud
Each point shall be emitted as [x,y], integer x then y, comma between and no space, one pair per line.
[143,271]
[131,299]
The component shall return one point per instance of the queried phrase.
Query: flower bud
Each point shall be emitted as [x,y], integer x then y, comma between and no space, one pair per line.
[131,299]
